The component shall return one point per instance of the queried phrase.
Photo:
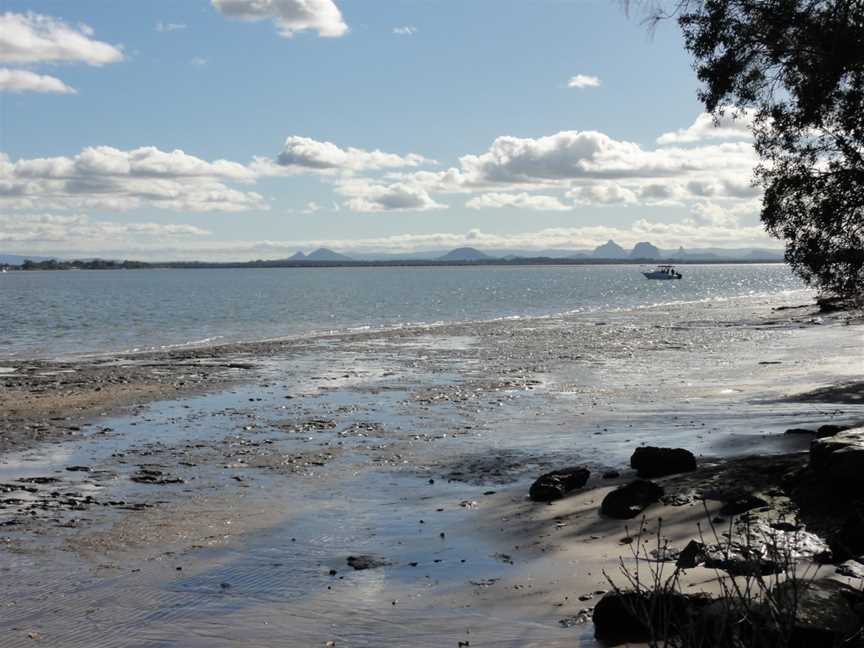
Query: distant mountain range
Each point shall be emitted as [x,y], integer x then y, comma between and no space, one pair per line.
[608,251]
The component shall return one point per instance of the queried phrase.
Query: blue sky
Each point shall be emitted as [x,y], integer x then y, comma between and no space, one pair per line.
[251,128]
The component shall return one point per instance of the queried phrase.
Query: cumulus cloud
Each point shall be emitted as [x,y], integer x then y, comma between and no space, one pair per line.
[583,81]
[405,30]
[519,200]
[290,16]
[731,124]
[594,168]
[604,194]
[27,81]
[34,38]
[365,195]
[302,154]
[109,178]
[573,155]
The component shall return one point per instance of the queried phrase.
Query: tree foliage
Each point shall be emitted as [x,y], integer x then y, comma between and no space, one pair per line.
[797,68]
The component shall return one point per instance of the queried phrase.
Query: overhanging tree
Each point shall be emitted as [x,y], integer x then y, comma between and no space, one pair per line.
[797,68]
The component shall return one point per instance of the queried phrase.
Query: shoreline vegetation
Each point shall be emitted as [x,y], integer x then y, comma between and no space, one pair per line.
[102,264]
[708,524]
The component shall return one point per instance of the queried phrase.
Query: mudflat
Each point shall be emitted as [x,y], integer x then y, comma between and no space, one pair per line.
[371,488]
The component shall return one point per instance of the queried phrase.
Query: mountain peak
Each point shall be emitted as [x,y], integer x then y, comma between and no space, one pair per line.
[464,254]
[325,254]
[645,250]
[609,250]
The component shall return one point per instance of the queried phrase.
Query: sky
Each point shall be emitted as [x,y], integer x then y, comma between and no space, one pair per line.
[241,129]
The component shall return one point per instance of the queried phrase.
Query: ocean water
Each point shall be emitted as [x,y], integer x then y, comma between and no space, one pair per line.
[57,314]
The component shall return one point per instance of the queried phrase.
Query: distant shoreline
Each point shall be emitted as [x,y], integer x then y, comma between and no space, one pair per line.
[99,264]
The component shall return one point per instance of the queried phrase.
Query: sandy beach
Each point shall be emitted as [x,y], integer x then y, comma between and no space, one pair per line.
[212,496]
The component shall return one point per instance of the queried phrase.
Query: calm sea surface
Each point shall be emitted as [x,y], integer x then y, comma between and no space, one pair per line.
[61,313]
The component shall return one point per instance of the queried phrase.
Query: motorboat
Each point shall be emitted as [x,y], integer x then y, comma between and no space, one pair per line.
[663,272]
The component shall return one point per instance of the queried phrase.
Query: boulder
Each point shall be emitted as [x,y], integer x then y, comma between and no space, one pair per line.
[650,461]
[556,484]
[830,430]
[848,541]
[823,615]
[630,500]
[631,616]
[839,459]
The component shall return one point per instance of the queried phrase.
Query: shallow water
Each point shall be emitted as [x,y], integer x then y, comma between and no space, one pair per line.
[51,314]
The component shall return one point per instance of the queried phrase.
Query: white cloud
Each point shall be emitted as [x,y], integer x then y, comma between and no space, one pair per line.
[604,194]
[589,164]
[301,154]
[583,81]
[27,81]
[576,155]
[405,30]
[732,124]
[169,27]
[33,38]
[290,16]
[198,61]
[109,178]
[519,200]
[368,196]
[76,230]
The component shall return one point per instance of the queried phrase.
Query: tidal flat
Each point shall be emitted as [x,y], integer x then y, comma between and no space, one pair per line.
[213,496]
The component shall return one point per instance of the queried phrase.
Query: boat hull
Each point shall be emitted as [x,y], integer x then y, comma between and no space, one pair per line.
[662,276]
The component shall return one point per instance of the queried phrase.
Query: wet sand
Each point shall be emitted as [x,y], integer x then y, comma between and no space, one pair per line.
[212,491]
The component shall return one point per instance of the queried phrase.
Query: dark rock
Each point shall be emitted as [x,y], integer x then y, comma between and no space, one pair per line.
[558,483]
[629,616]
[823,616]
[824,431]
[800,431]
[650,461]
[691,555]
[78,468]
[737,564]
[839,459]
[611,474]
[365,562]
[630,500]
[848,541]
